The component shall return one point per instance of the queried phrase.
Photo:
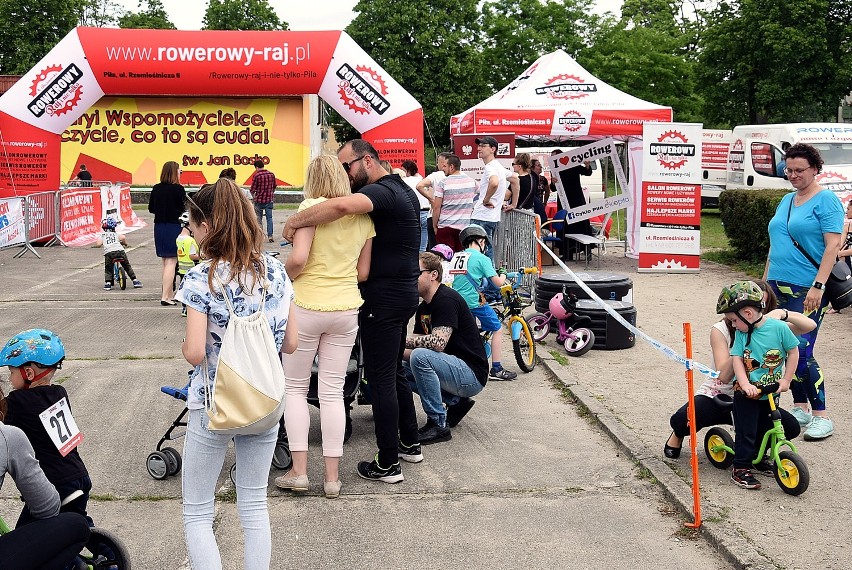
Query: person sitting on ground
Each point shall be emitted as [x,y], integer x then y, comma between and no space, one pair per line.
[708,412]
[113,244]
[445,357]
[33,357]
[472,270]
[764,352]
[52,539]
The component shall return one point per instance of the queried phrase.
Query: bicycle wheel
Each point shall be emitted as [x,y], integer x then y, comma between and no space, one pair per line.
[525,345]
[105,551]
[539,326]
[717,443]
[579,342]
[795,478]
[120,276]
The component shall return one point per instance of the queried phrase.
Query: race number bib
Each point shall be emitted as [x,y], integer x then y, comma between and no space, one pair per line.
[61,427]
[458,264]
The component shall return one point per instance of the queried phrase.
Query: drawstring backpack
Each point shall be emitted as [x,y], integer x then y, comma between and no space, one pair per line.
[247,394]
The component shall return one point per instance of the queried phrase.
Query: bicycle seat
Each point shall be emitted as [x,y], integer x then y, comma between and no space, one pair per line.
[177,393]
[724,400]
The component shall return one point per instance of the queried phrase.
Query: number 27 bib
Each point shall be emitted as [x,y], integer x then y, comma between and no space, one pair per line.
[61,427]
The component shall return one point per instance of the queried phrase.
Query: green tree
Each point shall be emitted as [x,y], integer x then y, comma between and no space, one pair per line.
[99,13]
[32,29]
[151,15]
[430,48]
[518,32]
[765,62]
[241,15]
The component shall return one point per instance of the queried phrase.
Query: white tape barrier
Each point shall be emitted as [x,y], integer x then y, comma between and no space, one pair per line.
[667,351]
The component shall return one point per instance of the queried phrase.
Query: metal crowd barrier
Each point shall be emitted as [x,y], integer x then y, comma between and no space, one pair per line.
[40,222]
[514,242]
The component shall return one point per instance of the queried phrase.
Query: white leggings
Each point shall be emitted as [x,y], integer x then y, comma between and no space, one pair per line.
[332,335]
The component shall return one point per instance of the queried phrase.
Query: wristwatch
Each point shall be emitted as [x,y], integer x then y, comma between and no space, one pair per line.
[818,285]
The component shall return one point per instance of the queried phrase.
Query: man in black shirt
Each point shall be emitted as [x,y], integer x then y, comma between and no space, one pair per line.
[446,356]
[84,176]
[390,297]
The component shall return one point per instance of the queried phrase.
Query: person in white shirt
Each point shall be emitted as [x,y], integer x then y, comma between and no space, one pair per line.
[412,178]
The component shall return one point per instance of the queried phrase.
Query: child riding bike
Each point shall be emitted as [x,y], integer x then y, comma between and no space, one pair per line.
[187,250]
[113,244]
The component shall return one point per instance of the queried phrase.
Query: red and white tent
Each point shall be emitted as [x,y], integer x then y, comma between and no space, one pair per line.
[556,98]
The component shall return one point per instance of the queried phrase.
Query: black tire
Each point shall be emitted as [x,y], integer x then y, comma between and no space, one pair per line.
[580,342]
[281,457]
[121,278]
[157,465]
[795,478]
[525,345]
[104,550]
[233,474]
[715,438]
[539,326]
[176,461]
[347,432]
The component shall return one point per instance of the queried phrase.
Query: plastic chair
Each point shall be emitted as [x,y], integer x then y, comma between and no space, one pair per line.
[602,226]
[556,227]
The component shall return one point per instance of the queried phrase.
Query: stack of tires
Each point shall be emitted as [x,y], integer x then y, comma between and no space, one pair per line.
[616,290]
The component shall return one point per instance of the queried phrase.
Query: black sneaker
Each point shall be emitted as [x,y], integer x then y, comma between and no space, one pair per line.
[427,426]
[456,412]
[434,434]
[744,478]
[501,374]
[371,470]
[765,467]
[410,453]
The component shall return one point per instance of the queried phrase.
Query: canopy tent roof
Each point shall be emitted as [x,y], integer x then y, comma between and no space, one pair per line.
[556,98]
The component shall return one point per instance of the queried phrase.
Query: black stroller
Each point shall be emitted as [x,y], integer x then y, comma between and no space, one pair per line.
[282,459]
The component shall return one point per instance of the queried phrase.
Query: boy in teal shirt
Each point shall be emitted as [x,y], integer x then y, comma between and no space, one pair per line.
[761,349]
[470,269]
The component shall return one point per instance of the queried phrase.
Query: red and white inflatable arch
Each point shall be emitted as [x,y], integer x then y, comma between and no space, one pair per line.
[90,63]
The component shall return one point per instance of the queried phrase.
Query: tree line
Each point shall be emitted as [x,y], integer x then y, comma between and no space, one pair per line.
[720,62]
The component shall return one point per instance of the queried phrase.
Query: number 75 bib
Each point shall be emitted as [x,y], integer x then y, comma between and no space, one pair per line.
[61,427]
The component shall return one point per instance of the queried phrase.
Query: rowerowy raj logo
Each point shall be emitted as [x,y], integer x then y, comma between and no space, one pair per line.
[672,150]
[572,121]
[362,89]
[565,86]
[55,90]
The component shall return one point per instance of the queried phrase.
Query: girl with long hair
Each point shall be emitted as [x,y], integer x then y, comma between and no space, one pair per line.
[166,203]
[226,229]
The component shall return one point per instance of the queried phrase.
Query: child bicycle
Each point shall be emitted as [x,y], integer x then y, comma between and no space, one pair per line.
[118,274]
[104,551]
[790,471]
[510,314]
[573,332]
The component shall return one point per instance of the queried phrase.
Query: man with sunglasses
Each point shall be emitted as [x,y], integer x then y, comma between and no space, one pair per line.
[390,297]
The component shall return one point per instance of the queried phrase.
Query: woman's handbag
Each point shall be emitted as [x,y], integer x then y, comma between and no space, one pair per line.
[247,394]
[838,287]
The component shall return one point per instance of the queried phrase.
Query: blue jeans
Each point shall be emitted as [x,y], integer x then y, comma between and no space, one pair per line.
[490,229]
[203,456]
[424,230]
[438,378]
[260,210]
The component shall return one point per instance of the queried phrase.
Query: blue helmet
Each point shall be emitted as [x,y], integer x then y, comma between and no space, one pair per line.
[109,224]
[35,345]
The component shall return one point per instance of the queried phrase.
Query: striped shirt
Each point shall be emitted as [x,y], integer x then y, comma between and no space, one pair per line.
[456,192]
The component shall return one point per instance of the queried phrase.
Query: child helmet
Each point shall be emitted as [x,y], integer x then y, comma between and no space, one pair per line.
[40,346]
[557,307]
[738,295]
[184,220]
[471,232]
[109,224]
[445,251]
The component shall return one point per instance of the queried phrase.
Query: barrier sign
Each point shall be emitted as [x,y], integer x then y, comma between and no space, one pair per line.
[11,222]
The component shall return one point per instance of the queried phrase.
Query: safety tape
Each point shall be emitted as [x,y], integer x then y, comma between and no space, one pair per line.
[667,351]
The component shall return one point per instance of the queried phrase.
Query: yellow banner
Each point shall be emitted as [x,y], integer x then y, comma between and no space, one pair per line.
[129,139]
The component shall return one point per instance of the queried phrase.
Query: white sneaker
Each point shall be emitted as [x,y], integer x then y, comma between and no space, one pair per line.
[820,428]
[802,416]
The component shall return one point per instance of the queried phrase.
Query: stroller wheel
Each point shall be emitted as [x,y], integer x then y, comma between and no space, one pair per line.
[281,458]
[347,433]
[233,474]
[157,465]
[174,459]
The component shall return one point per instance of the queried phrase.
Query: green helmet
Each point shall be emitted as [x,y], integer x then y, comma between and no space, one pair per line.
[738,295]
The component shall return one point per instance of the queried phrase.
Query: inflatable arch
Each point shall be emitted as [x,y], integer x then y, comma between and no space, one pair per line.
[90,63]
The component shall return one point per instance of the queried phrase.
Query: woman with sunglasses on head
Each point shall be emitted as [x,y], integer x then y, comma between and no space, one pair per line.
[529,184]
[235,266]
[807,224]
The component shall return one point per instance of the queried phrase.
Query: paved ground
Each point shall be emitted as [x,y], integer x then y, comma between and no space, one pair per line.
[530,479]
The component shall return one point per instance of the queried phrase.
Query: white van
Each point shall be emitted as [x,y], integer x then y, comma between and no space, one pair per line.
[756,156]
[715,145]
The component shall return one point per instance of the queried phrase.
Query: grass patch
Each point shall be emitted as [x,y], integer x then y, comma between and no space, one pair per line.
[644,473]
[687,533]
[105,497]
[712,231]
[149,498]
[724,513]
[729,257]
[287,206]
[152,357]
[558,357]
[715,246]
[228,496]
[60,379]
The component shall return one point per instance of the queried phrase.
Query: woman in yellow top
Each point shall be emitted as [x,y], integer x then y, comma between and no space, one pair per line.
[326,265]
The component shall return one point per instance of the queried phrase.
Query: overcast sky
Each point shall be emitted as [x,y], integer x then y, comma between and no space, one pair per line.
[327,15]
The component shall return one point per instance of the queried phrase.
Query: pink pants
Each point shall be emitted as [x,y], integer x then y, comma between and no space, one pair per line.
[332,335]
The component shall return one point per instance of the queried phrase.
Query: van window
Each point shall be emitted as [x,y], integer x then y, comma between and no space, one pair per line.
[765,158]
[835,153]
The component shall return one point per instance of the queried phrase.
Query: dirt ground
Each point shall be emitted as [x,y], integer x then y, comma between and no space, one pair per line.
[643,388]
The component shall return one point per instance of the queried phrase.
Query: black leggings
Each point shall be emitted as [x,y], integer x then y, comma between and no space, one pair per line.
[109,259]
[44,544]
[709,413]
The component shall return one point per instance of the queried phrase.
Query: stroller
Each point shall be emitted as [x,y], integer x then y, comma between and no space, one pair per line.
[166,461]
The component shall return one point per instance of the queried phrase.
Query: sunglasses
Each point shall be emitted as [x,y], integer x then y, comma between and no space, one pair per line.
[347,166]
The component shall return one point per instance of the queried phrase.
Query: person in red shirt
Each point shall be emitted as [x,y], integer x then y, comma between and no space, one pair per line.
[262,192]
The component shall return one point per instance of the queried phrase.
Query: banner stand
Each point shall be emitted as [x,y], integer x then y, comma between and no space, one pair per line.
[26,246]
